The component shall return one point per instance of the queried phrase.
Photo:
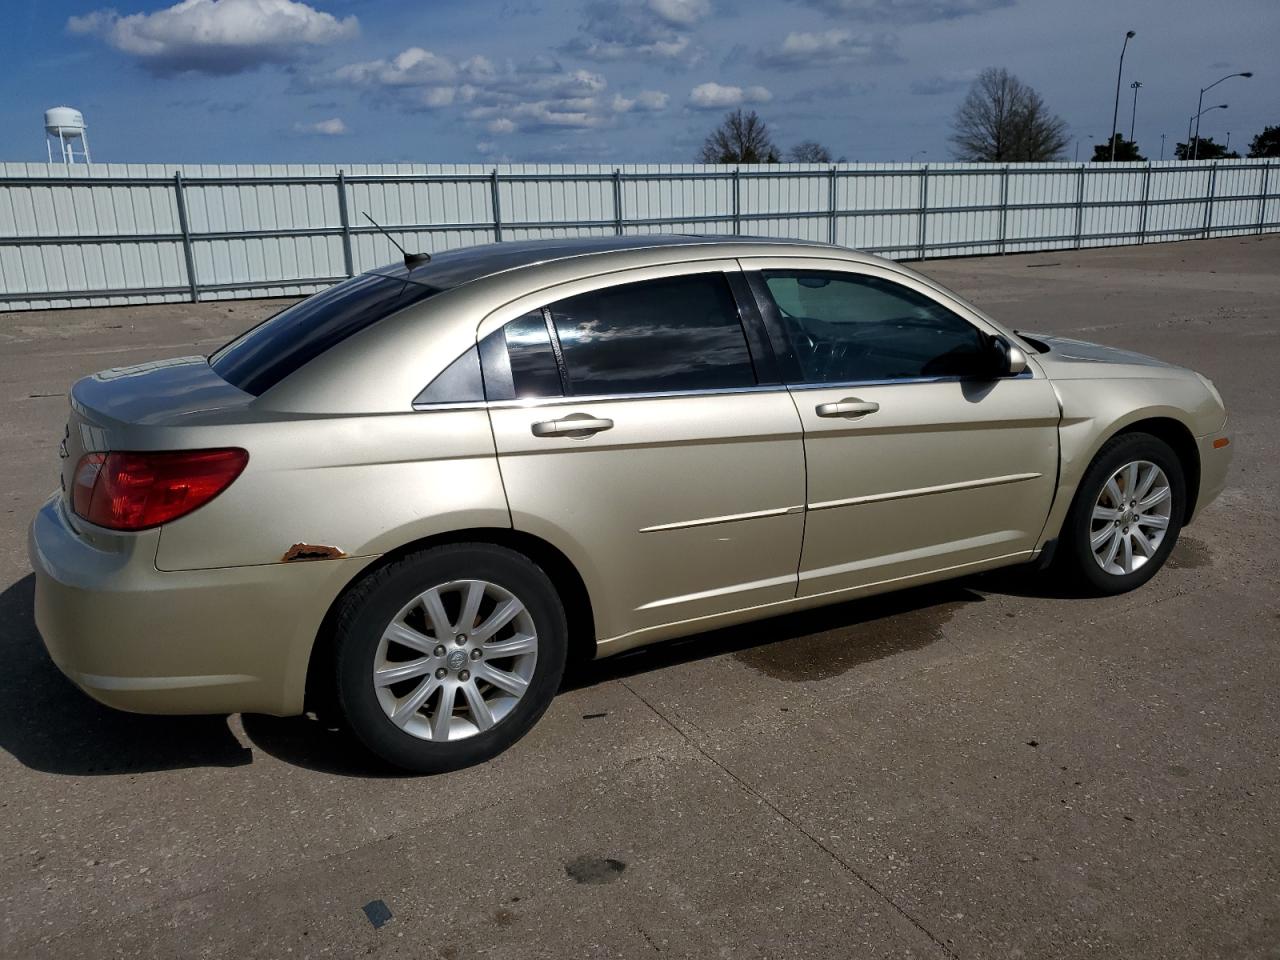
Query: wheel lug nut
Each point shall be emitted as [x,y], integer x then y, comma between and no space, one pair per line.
[464,675]
[476,654]
[460,639]
[439,651]
[441,673]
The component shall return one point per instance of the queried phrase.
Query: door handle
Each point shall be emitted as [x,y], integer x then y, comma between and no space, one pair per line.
[576,426]
[849,407]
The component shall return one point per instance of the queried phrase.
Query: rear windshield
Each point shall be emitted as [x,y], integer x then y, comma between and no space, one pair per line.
[259,359]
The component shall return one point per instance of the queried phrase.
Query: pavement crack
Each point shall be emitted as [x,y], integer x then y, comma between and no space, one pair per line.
[781,814]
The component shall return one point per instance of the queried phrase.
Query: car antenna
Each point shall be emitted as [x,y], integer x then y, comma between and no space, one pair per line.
[411,260]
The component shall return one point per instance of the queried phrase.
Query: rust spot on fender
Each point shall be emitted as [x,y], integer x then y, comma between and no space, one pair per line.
[311,551]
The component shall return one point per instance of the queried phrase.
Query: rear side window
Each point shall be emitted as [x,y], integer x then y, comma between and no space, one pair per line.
[657,336]
[275,348]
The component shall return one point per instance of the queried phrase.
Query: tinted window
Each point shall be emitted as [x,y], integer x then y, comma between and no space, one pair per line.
[679,333]
[275,348]
[843,327]
[460,382]
[533,362]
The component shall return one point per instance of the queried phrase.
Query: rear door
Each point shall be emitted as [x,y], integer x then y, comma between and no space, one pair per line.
[915,464]
[641,430]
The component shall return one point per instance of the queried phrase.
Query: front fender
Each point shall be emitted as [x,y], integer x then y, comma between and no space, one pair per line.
[1094,411]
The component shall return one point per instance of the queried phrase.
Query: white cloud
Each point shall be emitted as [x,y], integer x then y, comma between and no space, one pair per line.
[536,94]
[333,127]
[715,96]
[216,36]
[907,11]
[645,100]
[828,48]
[639,29]
[683,12]
[411,67]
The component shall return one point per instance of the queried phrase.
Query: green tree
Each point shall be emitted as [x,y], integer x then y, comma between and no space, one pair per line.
[740,138]
[1266,144]
[1209,150]
[1002,120]
[1126,150]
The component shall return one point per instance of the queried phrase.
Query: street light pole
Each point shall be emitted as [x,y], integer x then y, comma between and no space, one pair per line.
[1162,136]
[1196,120]
[1200,103]
[1133,119]
[1115,114]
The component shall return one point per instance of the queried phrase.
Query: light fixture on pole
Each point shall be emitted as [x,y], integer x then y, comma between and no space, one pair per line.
[1115,114]
[1195,154]
[1133,118]
[1196,120]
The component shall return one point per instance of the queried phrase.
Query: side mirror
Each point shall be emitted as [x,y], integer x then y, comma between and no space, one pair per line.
[1017,361]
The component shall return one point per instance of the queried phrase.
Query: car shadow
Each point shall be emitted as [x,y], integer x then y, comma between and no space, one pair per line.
[49,725]
[798,647]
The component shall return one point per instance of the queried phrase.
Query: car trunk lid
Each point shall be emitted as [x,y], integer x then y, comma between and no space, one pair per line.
[125,408]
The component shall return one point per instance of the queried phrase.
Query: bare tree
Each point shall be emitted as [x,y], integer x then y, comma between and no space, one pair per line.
[1005,121]
[740,138]
[809,151]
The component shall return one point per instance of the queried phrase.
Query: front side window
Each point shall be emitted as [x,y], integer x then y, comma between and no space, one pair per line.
[259,359]
[847,327]
[657,336]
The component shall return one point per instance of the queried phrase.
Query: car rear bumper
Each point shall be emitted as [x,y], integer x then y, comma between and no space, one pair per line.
[222,640]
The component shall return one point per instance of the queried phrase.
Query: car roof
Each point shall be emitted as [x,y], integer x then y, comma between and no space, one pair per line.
[452,268]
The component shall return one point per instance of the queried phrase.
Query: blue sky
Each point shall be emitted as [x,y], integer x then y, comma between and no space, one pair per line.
[610,81]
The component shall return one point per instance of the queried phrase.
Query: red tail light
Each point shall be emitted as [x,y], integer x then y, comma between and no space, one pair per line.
[134,491]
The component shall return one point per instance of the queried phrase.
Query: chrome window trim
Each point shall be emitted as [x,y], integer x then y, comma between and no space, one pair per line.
[892,382]
[718,392]
[599,398]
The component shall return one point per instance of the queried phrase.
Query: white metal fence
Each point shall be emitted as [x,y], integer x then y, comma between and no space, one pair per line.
[113,234]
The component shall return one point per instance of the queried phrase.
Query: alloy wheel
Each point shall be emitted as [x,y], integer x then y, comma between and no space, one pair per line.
[1130,517]
[455,660]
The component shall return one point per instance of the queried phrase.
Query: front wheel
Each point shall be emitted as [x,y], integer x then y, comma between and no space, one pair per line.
[1127,513]
[446,657]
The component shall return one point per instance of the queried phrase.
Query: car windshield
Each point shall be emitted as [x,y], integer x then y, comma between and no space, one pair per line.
[260,358]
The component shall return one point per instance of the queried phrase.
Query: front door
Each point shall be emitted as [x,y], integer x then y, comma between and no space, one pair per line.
[640,441]
[915,465]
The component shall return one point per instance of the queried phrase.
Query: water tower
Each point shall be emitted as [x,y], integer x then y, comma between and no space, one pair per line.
[64,131]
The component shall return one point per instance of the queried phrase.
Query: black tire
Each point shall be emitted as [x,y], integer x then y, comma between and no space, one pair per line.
[1075,557]
[370,606]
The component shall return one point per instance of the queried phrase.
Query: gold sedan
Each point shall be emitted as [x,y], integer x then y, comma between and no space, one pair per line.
[407,496]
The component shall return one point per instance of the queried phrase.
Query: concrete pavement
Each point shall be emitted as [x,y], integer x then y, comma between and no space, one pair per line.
[978,769]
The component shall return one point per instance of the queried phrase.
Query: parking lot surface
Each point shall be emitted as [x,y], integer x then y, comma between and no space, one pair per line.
[983,768]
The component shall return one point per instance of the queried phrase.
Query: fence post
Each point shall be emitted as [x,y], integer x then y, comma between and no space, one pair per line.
[617,201]
[923,215]
[1004,204]
[1080,208]
[1208,200]
[346,224]
[1262,196]
[737,203]
[831,206]
[1146,193]
[180,196]
[497,206]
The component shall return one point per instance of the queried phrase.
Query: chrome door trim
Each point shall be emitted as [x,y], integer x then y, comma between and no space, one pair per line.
[925,491]
[731,518]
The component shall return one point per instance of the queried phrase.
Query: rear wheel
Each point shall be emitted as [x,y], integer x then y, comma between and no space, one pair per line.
[1126,516]
[446,657]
